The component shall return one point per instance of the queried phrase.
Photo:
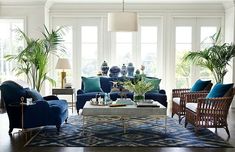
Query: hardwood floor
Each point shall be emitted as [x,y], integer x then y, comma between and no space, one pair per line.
[15,143]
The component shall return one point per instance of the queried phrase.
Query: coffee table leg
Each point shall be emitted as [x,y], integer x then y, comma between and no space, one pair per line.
[83,125]
[165,123]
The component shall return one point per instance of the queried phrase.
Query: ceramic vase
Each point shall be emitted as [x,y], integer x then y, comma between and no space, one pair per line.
[124,70]
[104,68]
[130,69]
[114,71]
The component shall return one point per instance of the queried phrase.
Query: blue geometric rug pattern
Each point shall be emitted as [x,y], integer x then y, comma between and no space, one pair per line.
[141,132]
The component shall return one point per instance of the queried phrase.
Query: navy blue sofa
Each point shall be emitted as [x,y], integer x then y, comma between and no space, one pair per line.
[106,86]
[49,111]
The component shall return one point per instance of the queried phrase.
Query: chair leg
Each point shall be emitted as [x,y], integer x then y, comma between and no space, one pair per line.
[226,128]
[66,120]
[78,112]
[10,131]
[58,128]
[216,130]
[172,115]
[185,123]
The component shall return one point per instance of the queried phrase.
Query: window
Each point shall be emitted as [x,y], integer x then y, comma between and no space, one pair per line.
[10,43]
[183,40]
[149,49]
[67,35]
[205,33]
[123,48]
[89,46]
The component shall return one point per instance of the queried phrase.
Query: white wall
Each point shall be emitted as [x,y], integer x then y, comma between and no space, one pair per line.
[230,38]
[33,15]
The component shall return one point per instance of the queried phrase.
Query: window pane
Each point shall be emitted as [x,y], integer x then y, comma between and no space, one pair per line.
[183,45]
[206,41]
[123,48]
[89,34]
[148,34]
[124,37]
[67,35]
[89,50]
[149,49]
[124,54]
[184,34]
[11,42]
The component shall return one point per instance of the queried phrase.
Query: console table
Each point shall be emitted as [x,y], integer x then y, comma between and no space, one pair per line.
[64,91]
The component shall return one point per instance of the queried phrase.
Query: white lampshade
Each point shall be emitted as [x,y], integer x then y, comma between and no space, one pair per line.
[122,22]
[63,63]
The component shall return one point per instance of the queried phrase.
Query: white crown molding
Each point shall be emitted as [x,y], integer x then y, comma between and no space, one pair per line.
[140,8]
[25,3]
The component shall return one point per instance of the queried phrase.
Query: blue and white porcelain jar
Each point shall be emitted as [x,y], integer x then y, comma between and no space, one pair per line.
[130,69]
[104,68]
[124,70]
[114,71]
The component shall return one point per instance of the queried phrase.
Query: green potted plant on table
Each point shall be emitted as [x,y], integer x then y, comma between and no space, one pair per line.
[139,87]
[215,58]
[32,61]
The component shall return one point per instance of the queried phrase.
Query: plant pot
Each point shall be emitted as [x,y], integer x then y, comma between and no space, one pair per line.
[138,97]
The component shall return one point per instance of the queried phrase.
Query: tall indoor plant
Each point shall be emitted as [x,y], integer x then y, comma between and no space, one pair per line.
[215,58]
[33,59]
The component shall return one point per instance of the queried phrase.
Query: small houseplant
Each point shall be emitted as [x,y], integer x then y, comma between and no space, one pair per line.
[139,87]
[32,61]
[215,58]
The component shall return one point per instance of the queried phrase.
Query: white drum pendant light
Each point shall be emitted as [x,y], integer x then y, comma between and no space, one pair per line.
[122,21]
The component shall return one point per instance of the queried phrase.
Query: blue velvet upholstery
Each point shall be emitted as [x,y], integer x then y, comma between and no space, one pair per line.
[106,85]
[42,113]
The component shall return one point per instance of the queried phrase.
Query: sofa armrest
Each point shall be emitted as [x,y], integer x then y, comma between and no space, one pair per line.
[162,91]
[80,91]
[51,97]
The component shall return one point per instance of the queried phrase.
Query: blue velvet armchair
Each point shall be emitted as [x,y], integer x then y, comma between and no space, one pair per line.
[48,111]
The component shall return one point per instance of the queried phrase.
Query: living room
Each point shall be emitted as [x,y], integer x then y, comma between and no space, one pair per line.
[166,30]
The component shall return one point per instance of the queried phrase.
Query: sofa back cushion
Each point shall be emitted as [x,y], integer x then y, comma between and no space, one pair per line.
[219,90]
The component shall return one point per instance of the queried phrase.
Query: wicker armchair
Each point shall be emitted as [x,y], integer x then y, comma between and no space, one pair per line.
[208,112]
[178,100]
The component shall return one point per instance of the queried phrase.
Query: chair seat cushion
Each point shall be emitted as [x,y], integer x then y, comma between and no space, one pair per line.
[61,104]
[176,100]
[192,106]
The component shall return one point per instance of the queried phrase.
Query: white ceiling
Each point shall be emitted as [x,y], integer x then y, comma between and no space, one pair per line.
[120,1]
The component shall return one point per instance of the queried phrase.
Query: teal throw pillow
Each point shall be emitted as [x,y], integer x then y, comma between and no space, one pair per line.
[200,85]
[34,94]
[91,84]
[155,82]
[219,90]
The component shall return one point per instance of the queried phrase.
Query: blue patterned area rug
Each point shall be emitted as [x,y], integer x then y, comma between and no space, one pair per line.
[143,132]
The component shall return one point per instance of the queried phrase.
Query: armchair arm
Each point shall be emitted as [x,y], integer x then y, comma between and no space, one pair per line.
[194,96]
[178,92]
[213,111]
[80,91]
[162,91]
[51,97]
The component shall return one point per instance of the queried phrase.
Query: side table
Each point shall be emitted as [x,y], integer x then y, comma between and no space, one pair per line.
[64,91]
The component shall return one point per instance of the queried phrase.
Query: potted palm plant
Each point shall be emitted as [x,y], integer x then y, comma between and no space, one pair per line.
[215,58]
[33,59]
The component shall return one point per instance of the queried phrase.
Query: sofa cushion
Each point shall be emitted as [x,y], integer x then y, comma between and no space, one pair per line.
[155,82]
[61,105]
[192,106]
[176,100]
[91,84]
[200,85]
[219,90]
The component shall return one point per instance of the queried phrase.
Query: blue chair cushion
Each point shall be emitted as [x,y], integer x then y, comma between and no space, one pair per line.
[34,94]
[91,84]
[219,90]
[200,85]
